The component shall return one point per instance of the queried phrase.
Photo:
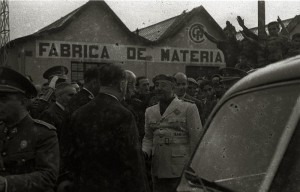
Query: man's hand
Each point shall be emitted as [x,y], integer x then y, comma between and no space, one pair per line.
[2,184]
[53,82]
[240,21]
[278,19]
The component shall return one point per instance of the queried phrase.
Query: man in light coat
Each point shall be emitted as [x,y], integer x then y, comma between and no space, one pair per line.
[172,130]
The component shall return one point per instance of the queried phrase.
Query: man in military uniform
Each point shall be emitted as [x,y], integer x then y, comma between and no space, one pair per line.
[133,104]
[181,91]
[55,75]
[192,89]
[29,158]
[172,130]
[107,154]
[56,114]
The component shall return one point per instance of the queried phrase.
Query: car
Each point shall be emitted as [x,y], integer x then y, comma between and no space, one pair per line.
[251,141]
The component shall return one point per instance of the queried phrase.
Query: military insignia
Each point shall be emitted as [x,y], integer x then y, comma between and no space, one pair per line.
[177,111]
[14,131]
[23,144]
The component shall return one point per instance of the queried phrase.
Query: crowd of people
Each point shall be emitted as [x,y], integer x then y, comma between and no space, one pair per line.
[255,51]
[118,132]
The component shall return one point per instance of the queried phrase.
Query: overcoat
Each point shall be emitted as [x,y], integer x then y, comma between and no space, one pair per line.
[170,138]
[107,154]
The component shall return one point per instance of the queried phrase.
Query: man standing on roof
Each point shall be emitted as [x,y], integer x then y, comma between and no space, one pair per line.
[230,46]
[172,130]
[29,152]
[274,46]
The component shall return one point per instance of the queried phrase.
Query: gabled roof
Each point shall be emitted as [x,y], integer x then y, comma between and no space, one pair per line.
[169,27]
[290,24]
[293,23]
[61,23]
[154,32]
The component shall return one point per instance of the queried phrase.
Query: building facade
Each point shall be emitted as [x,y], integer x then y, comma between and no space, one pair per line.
[93,35]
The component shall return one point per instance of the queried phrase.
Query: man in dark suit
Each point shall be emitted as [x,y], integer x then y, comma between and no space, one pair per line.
[90,89]
[107,154]
[181,91]
[56,113]
[29,153]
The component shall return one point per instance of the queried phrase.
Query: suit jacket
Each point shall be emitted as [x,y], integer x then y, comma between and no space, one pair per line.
[55,116]
[136,106]
[78,100]
[107,155]
[170,138]
[29,157]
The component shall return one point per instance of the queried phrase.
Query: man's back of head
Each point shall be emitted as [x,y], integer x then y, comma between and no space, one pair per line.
[91,80]
[113,77]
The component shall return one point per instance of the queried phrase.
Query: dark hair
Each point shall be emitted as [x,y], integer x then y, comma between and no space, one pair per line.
[205,83]
[91,74]
[138,80]
[111,75]
[273,23]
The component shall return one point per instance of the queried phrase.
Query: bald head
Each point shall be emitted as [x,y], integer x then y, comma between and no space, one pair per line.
[180,77]
[131,81]
[181,84]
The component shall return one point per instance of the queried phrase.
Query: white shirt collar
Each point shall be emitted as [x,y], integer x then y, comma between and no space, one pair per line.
[92,95]
[110,95]
[60,106]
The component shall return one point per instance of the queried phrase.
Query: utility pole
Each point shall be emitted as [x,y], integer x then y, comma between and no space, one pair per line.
[261,19]
[4,32]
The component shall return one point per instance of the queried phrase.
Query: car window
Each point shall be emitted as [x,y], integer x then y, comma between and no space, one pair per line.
[287,178]
[241,140]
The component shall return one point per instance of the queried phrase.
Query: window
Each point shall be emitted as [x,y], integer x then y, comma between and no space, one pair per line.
[78,68]
[238,147]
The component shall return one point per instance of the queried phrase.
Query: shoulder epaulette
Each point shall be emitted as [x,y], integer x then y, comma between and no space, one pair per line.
[49,126]
[187,100]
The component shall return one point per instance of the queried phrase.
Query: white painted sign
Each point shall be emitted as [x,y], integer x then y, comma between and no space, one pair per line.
[114,52]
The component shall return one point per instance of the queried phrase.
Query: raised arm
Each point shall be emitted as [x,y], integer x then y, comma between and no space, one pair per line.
[284,30]
[246,31]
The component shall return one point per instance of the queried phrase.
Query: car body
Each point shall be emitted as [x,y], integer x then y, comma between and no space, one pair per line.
[251,141]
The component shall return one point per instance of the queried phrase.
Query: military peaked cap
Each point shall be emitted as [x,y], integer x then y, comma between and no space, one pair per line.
[164,77]
[14,82]
[192,81]
[60,71]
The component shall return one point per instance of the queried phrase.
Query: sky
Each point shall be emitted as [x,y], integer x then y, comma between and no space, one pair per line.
[27,17]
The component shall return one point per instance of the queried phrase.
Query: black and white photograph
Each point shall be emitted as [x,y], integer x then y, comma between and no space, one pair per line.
[149,96]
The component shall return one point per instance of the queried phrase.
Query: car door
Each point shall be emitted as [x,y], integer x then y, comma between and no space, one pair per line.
[246,139]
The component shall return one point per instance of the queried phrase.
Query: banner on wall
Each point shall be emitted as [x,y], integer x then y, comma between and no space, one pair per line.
[115,52]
